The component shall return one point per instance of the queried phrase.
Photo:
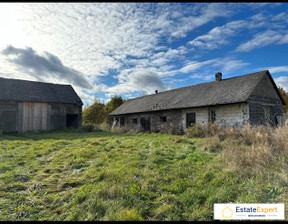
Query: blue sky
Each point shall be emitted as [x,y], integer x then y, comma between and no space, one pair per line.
[132,49]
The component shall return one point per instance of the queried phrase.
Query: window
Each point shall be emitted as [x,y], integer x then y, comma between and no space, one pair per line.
[190,119]
[213,115]
[122,121]
[163,119]
[134,121]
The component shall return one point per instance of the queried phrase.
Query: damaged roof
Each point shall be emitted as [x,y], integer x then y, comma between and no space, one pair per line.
[227,91]
[30,91]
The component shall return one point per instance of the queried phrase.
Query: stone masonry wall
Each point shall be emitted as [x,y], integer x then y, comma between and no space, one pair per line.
[232,115]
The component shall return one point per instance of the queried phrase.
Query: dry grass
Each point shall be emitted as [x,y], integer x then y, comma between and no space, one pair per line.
[249,150]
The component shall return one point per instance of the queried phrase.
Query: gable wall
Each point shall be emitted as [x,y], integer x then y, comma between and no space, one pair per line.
[265,105]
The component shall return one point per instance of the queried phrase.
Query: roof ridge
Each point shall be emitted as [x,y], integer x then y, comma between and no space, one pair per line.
[35,81]
[170,90]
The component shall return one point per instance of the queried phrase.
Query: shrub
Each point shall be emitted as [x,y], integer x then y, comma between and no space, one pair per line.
[171,129]
[195,130]
[213,144]
[212,129]
[87,127]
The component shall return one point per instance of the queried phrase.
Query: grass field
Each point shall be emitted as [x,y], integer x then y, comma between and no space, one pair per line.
[120,176]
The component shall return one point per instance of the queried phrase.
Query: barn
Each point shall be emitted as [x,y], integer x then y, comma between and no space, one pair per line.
[37,106]
[233,102]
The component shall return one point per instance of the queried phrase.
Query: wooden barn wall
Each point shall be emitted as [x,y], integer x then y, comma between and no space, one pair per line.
[34,116]
[8,116]
[59,112]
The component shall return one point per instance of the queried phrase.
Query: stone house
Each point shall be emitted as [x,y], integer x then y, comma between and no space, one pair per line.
[247,99]
[36,106]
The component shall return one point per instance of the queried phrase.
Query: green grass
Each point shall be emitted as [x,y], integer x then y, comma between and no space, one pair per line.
[120,176]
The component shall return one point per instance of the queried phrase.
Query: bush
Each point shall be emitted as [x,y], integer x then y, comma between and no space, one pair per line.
[87,127]
[212,129]
[213,144]
[171,129]
[195,130]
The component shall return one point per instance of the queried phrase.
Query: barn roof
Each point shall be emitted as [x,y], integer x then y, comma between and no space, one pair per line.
[227,91]
[30,91]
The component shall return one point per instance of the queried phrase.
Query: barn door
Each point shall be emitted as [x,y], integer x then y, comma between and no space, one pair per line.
[8,121]
[72,120]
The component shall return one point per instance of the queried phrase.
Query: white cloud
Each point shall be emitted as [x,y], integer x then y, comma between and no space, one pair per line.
[94,38]
[224,65]
[282,81]
[276,69]
[263,39]
[194,65]
[207,14]
[148,81]
[125,40]
[218,36]
[222,35]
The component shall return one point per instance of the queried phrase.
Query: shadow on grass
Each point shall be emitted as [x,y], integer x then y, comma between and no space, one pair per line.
[66,134]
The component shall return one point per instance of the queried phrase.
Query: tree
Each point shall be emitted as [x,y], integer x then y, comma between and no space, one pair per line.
[115,102]
[284,95]
[94,114]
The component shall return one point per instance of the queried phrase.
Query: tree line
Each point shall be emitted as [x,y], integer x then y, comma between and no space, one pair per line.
[98,112]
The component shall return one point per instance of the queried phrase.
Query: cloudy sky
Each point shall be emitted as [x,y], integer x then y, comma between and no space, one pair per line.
[132,49]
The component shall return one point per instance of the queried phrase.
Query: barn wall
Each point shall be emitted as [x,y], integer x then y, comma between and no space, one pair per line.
[265,111]
[230,115]
[65,115]
[151,121]
[265,106]
[34,116]
[234,115]
[8,116]
[201,116]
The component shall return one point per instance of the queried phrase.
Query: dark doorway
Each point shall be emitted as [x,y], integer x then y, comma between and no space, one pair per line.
[145,123]
[8,121]
[72,120]
[190,119]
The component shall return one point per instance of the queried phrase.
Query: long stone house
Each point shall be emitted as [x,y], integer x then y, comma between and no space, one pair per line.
[247,99]
[37,106]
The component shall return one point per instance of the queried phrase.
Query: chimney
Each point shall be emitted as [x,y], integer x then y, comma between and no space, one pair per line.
[156,91]
[218,76]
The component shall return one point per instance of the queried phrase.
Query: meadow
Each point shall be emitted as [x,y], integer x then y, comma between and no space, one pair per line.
[78,175]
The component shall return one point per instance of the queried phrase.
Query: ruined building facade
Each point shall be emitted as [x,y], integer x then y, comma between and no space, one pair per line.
[233,102]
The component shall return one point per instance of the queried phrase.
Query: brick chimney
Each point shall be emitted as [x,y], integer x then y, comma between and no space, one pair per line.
[218,76]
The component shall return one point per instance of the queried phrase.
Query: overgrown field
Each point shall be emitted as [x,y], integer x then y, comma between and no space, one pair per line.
[122,176]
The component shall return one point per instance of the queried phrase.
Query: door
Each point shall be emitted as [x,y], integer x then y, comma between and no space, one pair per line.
[8,121]
[190,119]
[72,120]
[145,123]
[267,115]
